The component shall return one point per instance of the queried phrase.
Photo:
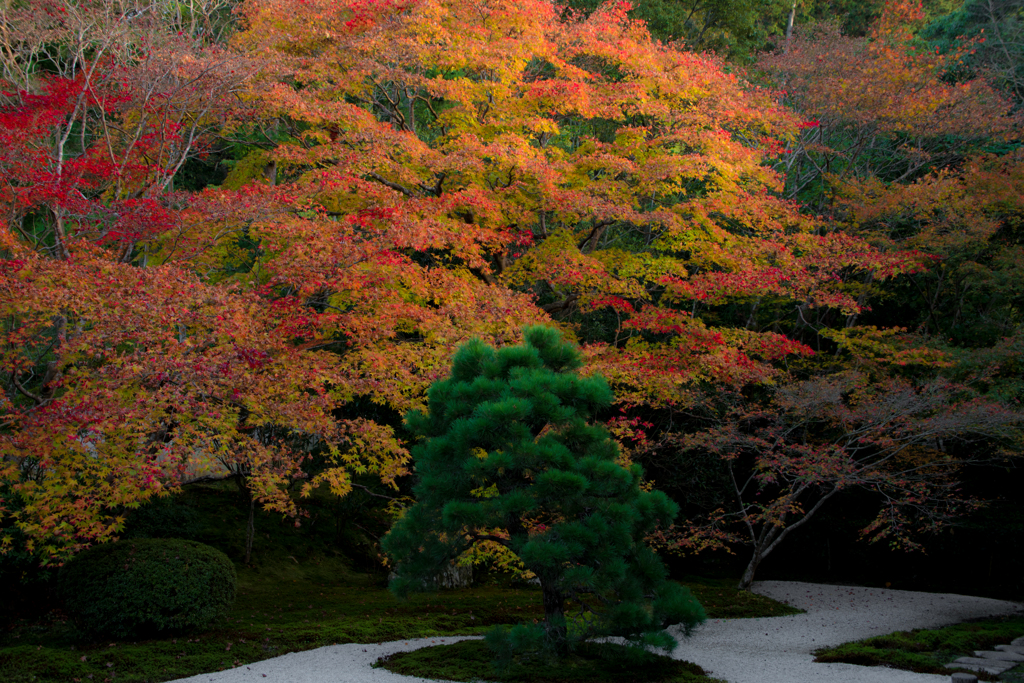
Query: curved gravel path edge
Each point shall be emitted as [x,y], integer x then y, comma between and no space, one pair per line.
[764,650]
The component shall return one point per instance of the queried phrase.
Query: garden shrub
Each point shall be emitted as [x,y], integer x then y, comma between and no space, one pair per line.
[140,587]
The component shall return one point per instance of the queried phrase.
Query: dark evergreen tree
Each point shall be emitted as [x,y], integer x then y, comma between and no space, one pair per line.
[508,455]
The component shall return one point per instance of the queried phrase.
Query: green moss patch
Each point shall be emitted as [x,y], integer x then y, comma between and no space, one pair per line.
[470,660]
[273,614]
[287,607]
[721,600]
[927,650]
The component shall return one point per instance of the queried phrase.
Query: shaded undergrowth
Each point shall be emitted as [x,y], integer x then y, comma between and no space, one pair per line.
[273,615]
[928,650]
[300,591]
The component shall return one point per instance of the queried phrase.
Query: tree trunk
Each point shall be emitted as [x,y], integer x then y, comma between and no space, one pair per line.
[789,24]
[60,247]
[554,615]
[771,536]
[748,573]
[270,172]
[250,528]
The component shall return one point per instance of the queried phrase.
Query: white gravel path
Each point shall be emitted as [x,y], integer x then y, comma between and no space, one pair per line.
[767,650]
[778,649]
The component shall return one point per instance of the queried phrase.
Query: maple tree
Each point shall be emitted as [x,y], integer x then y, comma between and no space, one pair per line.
[879,106]
[573,159]
[114,396]
[967,222]
[120,382]
[788,454]
[610,178]
[895,158]
[102,105]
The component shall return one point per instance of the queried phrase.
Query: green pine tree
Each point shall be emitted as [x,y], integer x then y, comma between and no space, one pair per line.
[508,445]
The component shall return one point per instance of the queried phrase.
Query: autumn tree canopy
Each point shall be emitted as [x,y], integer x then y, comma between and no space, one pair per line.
[404,175]
[882,106]
[573,160]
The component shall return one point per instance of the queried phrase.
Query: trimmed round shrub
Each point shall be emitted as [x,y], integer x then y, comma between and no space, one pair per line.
[142,587]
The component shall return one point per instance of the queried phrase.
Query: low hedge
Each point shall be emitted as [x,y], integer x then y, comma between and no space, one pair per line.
[141,587]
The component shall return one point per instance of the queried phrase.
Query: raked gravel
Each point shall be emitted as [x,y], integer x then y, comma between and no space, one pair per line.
[766,650]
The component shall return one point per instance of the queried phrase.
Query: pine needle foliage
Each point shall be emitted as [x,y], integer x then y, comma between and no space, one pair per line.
[509,454]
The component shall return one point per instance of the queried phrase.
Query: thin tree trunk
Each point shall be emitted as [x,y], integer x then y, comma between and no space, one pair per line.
[851,320]
[751,319]
[554,615]
[250,528]
[60,236]
[270,172]
[770,538]
[748,573]
[789,24]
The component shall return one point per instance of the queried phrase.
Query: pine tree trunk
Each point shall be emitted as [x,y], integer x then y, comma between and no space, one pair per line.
[554,614]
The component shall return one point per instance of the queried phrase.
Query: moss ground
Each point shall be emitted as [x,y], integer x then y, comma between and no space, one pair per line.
[721,600]
[276,612]
[470,660]
[928,650]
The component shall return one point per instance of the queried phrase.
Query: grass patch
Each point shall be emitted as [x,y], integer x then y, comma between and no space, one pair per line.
[928,650]
[470,660]
[722,600]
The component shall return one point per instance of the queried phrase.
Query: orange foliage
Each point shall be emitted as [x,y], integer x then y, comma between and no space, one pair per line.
[445,169]
[880,105]
[538,152]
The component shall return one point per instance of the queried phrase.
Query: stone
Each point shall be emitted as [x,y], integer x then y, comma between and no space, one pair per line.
[1000,655]
[1019,649]
[961,677]
[1018,641]
[992,666]
[970,667]
[453,576]
[995,671]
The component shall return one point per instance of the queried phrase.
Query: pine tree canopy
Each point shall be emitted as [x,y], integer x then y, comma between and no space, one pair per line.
[509,454]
